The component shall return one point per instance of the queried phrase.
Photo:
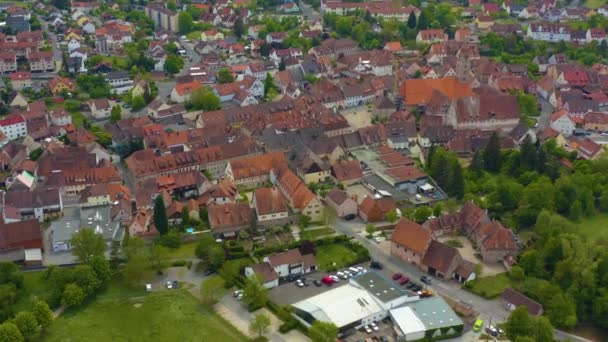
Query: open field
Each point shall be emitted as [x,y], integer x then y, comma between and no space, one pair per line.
[594,227]
[489,287]
[122,314]
[328,255]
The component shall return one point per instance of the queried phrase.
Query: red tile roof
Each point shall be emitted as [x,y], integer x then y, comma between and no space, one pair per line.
[412,236]
[420,91]
[269,201]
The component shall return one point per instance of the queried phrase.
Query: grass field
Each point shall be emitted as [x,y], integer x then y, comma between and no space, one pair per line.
[120,314]
[185,251]
[311,234]
[489,287]
[594,227]
[334,256]
[594,3]
[77,119]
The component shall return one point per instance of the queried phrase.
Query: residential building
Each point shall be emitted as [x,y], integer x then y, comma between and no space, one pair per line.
[291,262]
[339,201]
[21,80]
[375,209]
[347,172]
[265,272]
[59,84]
[41,61]
[514,299]
[101,109]
[561,122]
[550,32]
[300,198]
[431,36]
[13,126]
[270,207]
[254,171]
[37,204]
[228,219]
[8,62]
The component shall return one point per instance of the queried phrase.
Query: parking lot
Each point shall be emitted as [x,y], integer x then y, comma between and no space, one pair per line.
[385,333]
[289,293]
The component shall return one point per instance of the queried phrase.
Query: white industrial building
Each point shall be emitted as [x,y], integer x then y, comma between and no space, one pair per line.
[371,298]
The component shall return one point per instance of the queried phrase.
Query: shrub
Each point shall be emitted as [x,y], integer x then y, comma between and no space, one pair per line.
[189,264]
[288,326]
[178,263]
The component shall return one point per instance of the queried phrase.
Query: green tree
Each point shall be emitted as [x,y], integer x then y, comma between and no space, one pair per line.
[86,245]
[304,221]
[212,290]
[9,273]
[422,214]
[101,267]
[411,20]
[477,164]
[210,252]
[73,295]
[516,273]
[370,229]
[528,156]
[138,102]
[173,64]
[9,332]
[438,209]
[185,216]
[392,216]
[160,215]
[84,276]
[171,5]
[492,158]
[224,76]
[239,27]
[137,268]
[423,20]
[35,154]
[456,180]
[321,331]
[259,325]
[542,330]
[116,114]
[43,314]
[185,22]
[203,98]
[158,258]
[519,323]
[27,325]
[254,293]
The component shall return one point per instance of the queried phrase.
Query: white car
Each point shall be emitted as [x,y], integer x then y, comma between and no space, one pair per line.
[299,283]
[374,326]
[169,285]
[239,297]
[149,287]
[238,293]
[362,270]
[334,278]
[348,274]
[354,270]
[367,329]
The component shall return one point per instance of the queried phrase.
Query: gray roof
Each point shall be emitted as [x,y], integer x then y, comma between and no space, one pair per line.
[117,75]
[379,287]
[97,218]
[435,313]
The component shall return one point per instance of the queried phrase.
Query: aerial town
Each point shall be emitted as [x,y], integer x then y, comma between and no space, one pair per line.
[304,170]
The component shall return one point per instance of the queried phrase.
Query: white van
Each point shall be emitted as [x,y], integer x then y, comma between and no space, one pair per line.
[148,287]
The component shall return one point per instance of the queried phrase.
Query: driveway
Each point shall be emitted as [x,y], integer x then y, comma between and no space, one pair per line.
[236,313]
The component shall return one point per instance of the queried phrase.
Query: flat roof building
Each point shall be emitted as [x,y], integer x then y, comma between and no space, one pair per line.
[433,315]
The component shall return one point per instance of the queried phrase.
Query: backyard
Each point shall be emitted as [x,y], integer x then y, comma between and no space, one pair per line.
[334,256]
[122,314]
[315,233]
[489,287]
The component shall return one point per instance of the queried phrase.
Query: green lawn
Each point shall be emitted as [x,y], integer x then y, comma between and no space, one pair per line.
[185,251]
[311,234]
[594,227]
[334,256]
[78,119]
[194,35]
[120,314]
[594,3]
[489,287]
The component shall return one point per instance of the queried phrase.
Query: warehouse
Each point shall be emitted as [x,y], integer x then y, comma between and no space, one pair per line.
[429,317]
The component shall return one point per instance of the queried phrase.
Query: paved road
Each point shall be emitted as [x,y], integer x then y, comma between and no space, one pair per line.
[489,309]
[544,118]
[57,53]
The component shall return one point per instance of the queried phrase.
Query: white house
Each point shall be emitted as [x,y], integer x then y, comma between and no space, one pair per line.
[549,32]
[13,126]
[73,44]
[264,271]
[291,262]
[101,109]
[561,122]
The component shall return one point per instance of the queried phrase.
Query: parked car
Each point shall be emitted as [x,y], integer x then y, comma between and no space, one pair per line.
[335,278]
[169,285]
[239,297]
[209,272]
[328,280]
[377,265]
[238,292]
[367,329]
[410,285]
[148,287]
[350,217]
[478,325]
[126,105]
[374,326]
[404,281]
[397,276]
[305,282]
[426,280]
[347,273]
[175,284]
[318,283]
[361,269]
[354,270]
[299,283]
[491,331]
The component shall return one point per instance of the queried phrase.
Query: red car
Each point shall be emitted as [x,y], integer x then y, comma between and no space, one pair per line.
[404,281]
[327,281]
[397,276]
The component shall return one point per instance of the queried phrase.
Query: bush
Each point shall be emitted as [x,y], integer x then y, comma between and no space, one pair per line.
[288,326]
[178,263]
[189,264]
